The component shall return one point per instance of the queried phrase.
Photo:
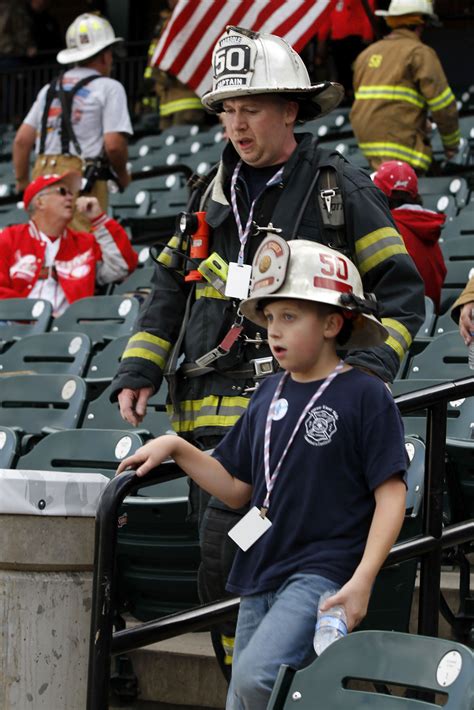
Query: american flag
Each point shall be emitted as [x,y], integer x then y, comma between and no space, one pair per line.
[185,47]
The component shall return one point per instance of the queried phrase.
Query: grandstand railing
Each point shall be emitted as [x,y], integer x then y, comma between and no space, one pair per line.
[20,86]
[427,546]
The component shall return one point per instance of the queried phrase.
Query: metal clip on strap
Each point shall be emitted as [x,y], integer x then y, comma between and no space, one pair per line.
[223,348]
[328,196]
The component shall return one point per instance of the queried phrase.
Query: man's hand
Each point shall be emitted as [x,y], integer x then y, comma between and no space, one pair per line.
[133,404]
[466,324]
[89,206]
[449,153]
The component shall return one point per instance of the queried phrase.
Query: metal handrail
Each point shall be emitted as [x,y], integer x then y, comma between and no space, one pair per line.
[427,546]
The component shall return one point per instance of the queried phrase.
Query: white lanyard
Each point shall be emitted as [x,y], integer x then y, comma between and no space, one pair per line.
[244,233]
[270,479]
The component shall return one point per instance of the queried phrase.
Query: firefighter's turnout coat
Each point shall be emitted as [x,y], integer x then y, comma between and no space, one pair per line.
[212,402]
[398,82]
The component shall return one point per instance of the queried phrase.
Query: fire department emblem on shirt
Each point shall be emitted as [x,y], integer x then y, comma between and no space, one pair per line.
[320,425]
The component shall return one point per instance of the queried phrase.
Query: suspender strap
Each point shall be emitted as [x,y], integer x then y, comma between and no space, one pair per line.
[66,98]
[50,95]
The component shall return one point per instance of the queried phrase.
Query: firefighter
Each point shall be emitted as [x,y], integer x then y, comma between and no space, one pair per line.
[269,178]
[398,82]
[176,103]
[80,121]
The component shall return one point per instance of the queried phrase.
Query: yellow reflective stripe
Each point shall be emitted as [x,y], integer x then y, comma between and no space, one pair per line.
[148,347]
[375,247]
[451,138]
[395,150]
[388,92]
[180,105]
[209,406]
[145,355]
[208,291]
[149,338]
[399,338]
[442,100]
[228,646]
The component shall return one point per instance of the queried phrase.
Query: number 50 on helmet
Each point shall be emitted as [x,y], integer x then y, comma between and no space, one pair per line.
[312,272]
[245,63]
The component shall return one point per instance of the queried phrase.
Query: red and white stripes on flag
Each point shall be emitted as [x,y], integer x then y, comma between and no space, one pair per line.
[185,47]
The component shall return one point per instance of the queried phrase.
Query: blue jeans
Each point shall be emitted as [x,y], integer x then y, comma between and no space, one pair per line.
[273,628]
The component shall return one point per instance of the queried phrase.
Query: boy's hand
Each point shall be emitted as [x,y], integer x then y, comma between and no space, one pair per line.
[354,597]
[150,455]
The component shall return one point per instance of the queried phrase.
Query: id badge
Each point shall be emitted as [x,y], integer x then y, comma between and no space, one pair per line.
[238,280]
[249,529]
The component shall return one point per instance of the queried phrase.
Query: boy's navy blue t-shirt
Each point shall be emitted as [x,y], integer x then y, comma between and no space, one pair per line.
[322,504]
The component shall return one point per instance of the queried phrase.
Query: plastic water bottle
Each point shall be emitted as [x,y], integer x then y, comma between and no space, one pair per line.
[470,356]
[330,626]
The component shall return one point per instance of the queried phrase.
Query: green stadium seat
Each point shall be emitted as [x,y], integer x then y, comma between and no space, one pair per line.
[391,600]
[445,357]
[445,324]
[446,185]
[104,364]
[460,412]
[82,451]
[458,248]
[460,473]
[23,316]
[158,552]
[441,670]
[9,446]
[139,282]
[102,318]
[103,414]
[32,403]
[48,353]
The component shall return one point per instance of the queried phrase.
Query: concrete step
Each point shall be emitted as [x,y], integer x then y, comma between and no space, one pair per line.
[182,673]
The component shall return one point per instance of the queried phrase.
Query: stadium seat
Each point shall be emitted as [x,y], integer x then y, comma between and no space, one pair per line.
[458,274]
[445,324]
[48,353]
[12,215]
[23,316]
[444,357]
[426,328]
[139,282]
[82,451]
[35,402]
[391,600]
[103,414]
[458,249]
[426,672]
[446,185]
[460,472]
[9,445]
[158,552]
[104,364]
[102,318]
[460,412]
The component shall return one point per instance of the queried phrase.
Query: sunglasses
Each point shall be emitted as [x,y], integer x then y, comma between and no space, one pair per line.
[60,189]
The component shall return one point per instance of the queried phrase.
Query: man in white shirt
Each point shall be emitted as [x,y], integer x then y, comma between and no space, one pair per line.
[82,116]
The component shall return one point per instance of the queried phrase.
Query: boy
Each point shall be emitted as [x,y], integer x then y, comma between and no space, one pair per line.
[319,453]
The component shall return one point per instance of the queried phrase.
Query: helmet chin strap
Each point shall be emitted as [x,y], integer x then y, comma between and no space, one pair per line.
[367,305]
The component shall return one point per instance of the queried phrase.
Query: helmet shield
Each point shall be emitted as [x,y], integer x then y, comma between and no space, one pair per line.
[87,36]
[246,63]
[311,272]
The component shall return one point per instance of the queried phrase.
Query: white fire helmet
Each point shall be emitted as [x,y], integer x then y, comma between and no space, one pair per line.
[409,7]
[312,272]
[86,36]
[245,63]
